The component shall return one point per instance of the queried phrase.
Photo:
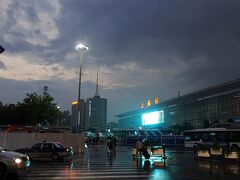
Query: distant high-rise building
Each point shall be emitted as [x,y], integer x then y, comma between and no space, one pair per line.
[45,90]
[96,111]
[74,123]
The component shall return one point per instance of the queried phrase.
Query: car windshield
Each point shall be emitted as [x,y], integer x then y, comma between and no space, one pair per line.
[58,145]
[36,146]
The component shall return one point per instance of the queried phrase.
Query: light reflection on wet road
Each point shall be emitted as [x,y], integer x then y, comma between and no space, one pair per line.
[98,164]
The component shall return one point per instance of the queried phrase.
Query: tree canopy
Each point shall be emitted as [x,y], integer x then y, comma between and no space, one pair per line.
[35,109]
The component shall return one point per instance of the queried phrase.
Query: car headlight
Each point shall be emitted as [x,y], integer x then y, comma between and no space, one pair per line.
[18,160]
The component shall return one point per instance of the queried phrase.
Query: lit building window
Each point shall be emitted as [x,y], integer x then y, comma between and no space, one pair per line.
[89,108]
[149,103]
[156,100]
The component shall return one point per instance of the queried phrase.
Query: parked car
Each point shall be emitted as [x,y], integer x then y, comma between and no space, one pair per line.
[12,162]
[46,151]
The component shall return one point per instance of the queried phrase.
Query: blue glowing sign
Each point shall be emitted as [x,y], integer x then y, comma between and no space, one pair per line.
[155,117]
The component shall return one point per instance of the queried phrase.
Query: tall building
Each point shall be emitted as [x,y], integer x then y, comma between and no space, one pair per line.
[74,123]
[45,90]
[220,103]
[96,111]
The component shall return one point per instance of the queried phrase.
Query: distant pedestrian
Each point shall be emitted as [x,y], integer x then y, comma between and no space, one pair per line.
[145,153]
[110,145]
[114,142]
[139,146]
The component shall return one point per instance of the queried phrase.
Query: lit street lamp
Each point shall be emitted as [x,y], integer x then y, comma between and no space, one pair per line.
[82,48]
[58,107]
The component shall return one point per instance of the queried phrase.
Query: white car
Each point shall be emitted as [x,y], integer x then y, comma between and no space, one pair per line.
[12,162]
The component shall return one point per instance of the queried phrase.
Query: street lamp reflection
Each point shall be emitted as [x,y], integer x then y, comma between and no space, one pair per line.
[69,170]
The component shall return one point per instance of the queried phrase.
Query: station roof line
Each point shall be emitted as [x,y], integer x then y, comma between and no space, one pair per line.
[210,92]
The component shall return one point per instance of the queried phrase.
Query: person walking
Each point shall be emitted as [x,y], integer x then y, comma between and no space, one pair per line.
[139,147]
[110,145]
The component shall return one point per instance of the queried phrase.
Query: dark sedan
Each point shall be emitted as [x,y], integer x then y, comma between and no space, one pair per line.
[46,151]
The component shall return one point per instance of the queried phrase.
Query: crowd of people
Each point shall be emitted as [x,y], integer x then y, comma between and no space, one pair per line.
[111,141]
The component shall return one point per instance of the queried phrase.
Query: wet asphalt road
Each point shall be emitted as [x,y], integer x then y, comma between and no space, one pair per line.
[96,163]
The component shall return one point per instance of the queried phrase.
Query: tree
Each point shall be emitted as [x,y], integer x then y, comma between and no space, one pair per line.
[65,119]
[7,114]
[37,109]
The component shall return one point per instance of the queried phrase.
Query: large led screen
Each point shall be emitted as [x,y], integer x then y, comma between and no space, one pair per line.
[155,117]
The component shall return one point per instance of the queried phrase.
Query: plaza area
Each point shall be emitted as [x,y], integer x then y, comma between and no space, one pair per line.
[97,163]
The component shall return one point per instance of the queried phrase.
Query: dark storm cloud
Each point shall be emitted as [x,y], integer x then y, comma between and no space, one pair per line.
[149,32]
[155,33]
[201,35]
[8,93]
[179,25]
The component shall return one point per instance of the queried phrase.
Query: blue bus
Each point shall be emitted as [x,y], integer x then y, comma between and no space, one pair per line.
[228,138]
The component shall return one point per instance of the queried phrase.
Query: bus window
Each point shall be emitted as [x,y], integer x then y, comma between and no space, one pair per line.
[222,136]
[233,136]
[190,136]
[216,136]
[197,137]
[187,138]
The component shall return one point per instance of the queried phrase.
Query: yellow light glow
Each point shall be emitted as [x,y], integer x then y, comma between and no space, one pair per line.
[156,100]
[149,103]
[74,102]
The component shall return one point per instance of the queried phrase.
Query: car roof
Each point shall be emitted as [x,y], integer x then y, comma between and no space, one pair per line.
[48,142]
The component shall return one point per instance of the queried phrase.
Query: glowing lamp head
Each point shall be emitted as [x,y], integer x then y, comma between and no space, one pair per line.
[81,47]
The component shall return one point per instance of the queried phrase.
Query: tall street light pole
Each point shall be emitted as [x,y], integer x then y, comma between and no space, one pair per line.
[81,48]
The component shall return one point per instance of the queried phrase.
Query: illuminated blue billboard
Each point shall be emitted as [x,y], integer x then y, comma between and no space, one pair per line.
[155,117]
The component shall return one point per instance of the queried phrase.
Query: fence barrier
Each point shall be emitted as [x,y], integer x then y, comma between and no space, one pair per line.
[169,140]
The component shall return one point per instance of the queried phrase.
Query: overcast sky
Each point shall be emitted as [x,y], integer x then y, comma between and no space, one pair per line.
[142,48]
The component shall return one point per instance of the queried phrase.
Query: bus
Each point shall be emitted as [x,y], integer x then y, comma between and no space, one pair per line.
[227,138]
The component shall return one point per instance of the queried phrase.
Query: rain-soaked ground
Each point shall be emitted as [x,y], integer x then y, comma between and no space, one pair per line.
[97,163]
